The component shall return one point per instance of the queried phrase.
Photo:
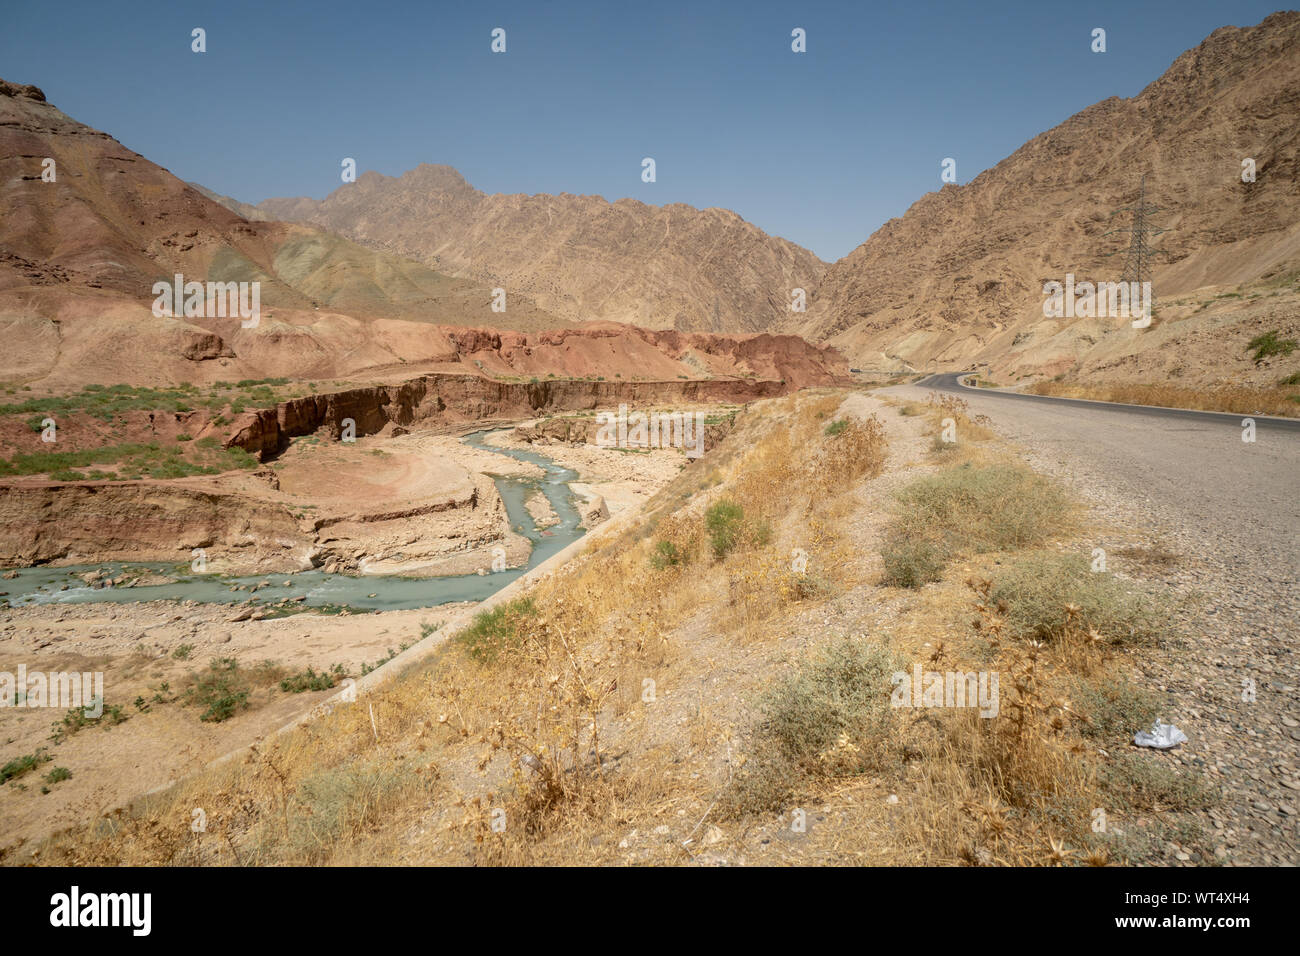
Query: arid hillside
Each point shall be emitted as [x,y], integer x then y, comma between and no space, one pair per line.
[959,278]
[89,226]
[81,250]
[580,257]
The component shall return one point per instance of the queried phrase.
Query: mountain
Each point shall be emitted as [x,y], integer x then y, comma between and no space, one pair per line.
[959,278]
[82,241]
[82,246]
[580,257]
[243,209]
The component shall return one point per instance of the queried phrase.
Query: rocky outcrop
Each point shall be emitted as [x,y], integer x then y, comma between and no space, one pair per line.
[18,89]
[595,512]
[457,399]
[584,431]
[141,520]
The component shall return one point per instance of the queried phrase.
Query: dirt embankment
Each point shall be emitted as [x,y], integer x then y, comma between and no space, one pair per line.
[464,399]
[148,520]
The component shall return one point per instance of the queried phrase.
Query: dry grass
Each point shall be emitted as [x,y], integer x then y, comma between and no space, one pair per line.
[1280,401]
[589,722]
[1025,789]
[955,428]
[968,509]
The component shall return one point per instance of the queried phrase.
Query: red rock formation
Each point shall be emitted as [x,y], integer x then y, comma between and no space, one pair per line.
[457,399]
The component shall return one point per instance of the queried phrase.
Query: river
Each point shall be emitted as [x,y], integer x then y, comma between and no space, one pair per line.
[63,585]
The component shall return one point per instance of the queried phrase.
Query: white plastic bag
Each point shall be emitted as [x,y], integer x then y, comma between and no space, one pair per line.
[1161,736]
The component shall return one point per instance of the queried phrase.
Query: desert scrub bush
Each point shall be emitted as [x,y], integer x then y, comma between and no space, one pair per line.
[794,586]
[1267,345]
[1039,591]
[831,717]
[1137,782]
[1114,708]
[974,427]
[722,521]
[912,559]
[221,690]
[332,807]
[666,555]
[76,719]
[309,679]
[58,775]
[23,765]
[971,509]
[497,629]
[857,452]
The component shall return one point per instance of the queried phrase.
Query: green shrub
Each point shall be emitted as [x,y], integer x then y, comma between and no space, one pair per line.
[1268,345]
[912,560]
[967,509]
[666,555]
[1115,708]
[1035,589]
[832,716]
[221,690]
[310,680]
[75,719]
[834,428]
[497,629]
[1143,782]
[23,765]
[723,521]
[330,807]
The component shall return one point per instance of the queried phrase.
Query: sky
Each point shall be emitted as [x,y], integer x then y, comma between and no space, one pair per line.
[820,147]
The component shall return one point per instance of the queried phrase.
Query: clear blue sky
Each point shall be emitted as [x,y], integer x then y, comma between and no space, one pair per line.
[820,147]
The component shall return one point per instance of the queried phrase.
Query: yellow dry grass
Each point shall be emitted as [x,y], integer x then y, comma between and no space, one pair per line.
[604,727]
[1245,400]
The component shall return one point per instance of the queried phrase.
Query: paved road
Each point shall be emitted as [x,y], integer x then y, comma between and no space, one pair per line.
[952,382]
[1186,468]
[1231,510]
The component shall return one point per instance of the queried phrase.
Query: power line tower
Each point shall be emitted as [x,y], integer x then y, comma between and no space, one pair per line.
[1137,266]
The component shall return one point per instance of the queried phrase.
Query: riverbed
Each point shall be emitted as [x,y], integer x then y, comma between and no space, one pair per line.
[64,584]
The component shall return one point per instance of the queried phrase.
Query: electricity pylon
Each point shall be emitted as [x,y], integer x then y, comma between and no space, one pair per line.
[1137,267]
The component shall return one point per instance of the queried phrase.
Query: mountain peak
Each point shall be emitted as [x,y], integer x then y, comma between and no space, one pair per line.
[20,90]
